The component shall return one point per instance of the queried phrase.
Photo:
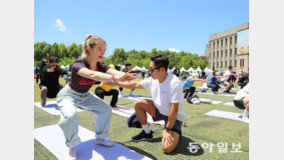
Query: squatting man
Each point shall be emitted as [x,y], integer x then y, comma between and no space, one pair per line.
[166,104]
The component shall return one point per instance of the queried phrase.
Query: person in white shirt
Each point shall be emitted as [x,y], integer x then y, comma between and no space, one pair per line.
[241,100]
[225,78]
[166,104]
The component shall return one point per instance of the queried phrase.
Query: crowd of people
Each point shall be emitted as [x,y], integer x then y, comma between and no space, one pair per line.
[166,92]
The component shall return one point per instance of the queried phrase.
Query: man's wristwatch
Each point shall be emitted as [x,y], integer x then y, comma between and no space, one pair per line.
[168,129]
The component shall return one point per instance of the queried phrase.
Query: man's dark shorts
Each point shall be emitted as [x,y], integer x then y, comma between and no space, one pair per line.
[239,103]
[177,126]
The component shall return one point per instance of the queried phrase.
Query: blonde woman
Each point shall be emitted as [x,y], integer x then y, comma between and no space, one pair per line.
[85,72]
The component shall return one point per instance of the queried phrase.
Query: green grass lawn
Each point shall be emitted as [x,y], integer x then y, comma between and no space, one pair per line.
[199,128]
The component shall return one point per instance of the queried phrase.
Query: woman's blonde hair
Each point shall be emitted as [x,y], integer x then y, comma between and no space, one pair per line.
[90,41]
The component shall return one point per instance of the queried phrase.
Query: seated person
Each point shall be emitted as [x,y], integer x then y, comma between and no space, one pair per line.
[106,90]
[224,80]
[241,100]
[49,85]
[187,85]
[213,83]
[243,80]
[166,104]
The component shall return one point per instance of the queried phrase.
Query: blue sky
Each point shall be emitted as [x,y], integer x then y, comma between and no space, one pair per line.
[138,24]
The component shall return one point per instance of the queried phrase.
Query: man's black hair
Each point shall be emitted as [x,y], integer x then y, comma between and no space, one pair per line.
[230,67]
[53,59]
[127,64]
[160,61]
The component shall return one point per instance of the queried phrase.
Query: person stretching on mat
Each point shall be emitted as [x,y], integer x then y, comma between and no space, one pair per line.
[187,85]
[106,90]
[49,84]
[241,101]
[167,103]
[243,80]
[85,72]
[213,83]
[224,80]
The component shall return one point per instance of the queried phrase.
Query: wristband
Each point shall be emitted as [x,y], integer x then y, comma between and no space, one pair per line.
[168,129]
[112,78]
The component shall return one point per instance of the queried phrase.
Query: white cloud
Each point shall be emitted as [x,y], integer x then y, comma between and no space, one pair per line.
[174,50]
[59,24]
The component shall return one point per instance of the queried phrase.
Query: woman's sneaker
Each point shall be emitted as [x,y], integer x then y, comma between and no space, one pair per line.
[103,142]
[72,154]
[143,136]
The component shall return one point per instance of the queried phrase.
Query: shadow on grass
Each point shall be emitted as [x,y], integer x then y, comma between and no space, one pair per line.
[183,147]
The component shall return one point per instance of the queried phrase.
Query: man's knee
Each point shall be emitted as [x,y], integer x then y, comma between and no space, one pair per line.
[169,148]
[138,103]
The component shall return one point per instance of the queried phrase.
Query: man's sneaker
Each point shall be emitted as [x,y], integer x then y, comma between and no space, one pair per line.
[143,136]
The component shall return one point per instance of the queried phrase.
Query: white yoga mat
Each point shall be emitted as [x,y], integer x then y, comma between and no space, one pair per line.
[209,101]
[51,107]
[52,138]
[225,114]
[135,97]
[218,94]
[127,112]
[229,104]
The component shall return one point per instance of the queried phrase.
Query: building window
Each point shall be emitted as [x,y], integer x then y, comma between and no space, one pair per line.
[231,40]
[221,43]
[217,64]
[235,63]
[213,55]
[230,63]
[217,54]
[226,53]
[221,64]
[221,54]
[217,44]
[226,42]
[236,39]
[213,45]
[236,51]
[225,64]
[242,62]
[230,52]
[213,65]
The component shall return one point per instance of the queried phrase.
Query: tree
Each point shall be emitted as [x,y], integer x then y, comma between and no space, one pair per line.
[54,50]
[63,52]
[118,56]
[38,50]
[46,49]
[72,50]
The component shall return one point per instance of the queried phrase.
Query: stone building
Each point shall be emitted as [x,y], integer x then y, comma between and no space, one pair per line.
[223,51]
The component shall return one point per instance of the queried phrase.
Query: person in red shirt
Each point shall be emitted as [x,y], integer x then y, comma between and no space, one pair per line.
[85,72]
